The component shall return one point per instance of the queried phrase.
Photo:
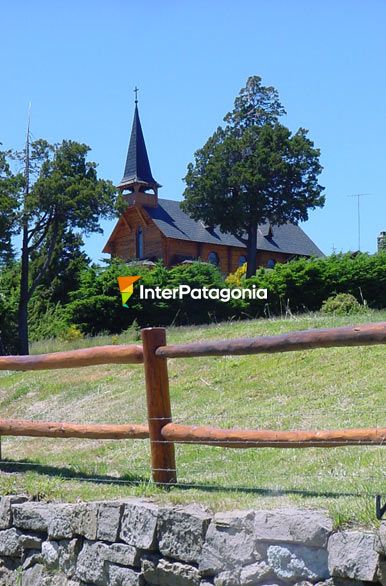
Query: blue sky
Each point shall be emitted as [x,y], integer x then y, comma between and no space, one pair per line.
[78,62]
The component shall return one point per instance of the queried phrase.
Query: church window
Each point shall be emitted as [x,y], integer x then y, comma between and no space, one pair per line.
[242,260]
[213,258]
[139,242]
[270,263]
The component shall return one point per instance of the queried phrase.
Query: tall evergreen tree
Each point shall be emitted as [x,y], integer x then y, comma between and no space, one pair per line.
[253,170]
[59,198]
[10,185]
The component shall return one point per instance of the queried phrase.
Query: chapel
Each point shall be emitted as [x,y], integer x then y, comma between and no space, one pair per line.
[152,228]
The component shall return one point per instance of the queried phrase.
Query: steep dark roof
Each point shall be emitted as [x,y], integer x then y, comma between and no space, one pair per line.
[174,223]
[137,167]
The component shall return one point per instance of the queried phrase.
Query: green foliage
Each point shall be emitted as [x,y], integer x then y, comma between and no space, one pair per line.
[9,294]
[47,320]
[59,198]
[342,304]
[62,276]
[72,333]
[97,305]
[304,284]
[10,185]
[254,170]
[68,187]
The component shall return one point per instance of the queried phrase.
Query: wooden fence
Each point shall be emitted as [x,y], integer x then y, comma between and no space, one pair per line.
[163,433]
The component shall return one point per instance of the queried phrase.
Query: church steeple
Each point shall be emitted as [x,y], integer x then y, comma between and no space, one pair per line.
[137,177]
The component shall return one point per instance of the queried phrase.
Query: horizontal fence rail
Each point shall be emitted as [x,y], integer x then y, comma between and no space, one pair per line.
[303,340]
[25,427]
[234,438]
[161,430]
[122,354]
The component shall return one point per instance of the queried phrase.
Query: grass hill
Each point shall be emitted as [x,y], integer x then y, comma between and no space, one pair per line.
[315,389]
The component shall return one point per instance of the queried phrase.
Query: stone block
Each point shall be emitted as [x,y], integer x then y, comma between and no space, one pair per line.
[30,558]
[258,573]
[32,516]
[9,543]
[228,578]
[123,554]
[139,524]
[109,520]
[91,565]
[297,562]
[119,576]
[181,532]
[30,541]
[6,503]
[62,523]
[86,520]
[68,553]
[50,554]
[255,573]
[310,528]
[351,554]
[380,540]
[34,576]
[177,574]
[38,575]
[230,542]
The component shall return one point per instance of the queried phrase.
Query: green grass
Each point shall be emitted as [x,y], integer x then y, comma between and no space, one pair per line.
[315,389]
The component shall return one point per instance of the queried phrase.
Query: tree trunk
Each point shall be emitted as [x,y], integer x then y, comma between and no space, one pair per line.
[251,250]
[23,299]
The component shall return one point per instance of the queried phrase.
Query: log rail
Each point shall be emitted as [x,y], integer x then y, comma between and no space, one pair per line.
[161,430]
[364,335]
[131,354]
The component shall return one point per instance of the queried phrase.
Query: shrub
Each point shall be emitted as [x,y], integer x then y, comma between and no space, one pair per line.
[97,306]
[47,322]
[306,283]
[72,334]
[342,304]
[236,279]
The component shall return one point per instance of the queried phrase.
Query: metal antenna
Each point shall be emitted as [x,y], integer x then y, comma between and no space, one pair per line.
[358,196]
[27,154]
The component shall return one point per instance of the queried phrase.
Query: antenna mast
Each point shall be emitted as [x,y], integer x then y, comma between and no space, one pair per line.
[358,196]
[27,155]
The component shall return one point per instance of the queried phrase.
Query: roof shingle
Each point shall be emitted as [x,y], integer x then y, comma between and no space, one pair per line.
[174,223]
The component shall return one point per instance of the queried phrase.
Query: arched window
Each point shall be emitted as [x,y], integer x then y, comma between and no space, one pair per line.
[270,263]
[213,258]
[242,260]
[139,242]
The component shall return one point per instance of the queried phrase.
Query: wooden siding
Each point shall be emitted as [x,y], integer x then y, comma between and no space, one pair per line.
[122,243]
[228,255]
[123,240]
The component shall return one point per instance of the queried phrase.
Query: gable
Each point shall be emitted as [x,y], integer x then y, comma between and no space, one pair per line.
[126,228]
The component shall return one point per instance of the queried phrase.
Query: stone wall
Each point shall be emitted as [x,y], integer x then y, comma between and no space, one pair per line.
[136,542]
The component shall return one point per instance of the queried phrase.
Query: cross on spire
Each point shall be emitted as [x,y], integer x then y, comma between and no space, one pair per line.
[136,90]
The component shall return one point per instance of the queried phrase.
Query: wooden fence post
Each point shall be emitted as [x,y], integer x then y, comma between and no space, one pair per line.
[158,406]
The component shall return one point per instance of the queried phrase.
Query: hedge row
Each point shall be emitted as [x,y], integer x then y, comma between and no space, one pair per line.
[96,306]
[300,285]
